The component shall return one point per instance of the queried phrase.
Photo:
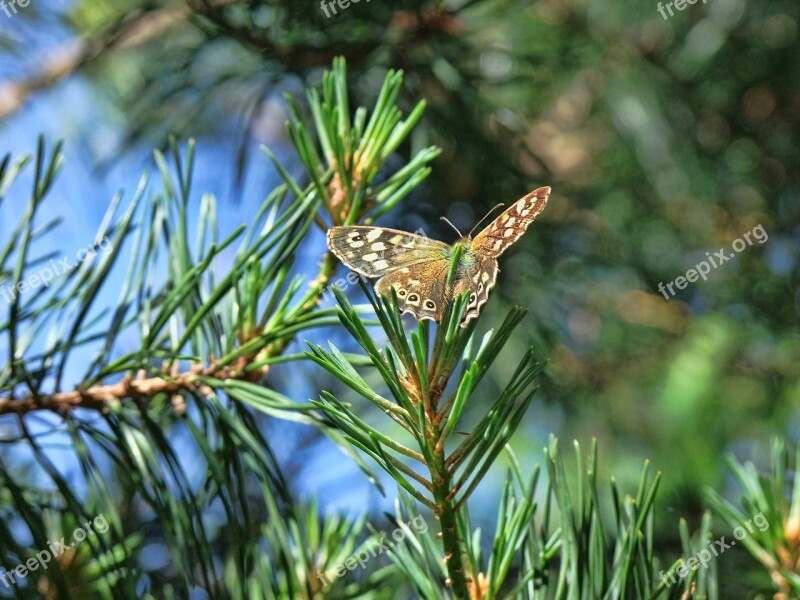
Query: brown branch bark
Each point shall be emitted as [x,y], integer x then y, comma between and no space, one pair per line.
[101,397]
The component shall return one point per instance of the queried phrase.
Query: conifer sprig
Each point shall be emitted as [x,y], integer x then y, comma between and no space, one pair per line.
[431,377]
[767,524]
[204,339]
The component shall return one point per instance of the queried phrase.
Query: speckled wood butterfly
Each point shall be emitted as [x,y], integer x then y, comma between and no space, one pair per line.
[416,266]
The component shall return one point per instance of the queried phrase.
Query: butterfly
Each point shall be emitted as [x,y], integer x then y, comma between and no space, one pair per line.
[417,266]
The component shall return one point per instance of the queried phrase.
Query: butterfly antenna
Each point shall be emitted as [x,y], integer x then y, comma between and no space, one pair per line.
[478,224]
[446,220]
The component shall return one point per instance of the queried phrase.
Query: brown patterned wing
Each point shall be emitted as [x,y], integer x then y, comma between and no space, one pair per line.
[420,288]
[478,280]
[376,251]
[509,226]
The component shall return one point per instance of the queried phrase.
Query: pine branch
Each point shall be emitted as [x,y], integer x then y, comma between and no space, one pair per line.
[768,522]
[206,341]
[418,371]
[207,344]
[137,28]
[103,397]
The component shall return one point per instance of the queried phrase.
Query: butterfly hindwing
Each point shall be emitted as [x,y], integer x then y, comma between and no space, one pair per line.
[420,288]
[478,279]
[376,251]
[511,224]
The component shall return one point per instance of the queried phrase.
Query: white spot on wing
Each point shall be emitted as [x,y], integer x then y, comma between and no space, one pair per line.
[374,235]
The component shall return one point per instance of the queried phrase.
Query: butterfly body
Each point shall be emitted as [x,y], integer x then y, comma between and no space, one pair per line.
[417,266]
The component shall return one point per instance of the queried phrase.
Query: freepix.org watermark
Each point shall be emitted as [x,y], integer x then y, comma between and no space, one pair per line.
[703,268]
[363,556]
[714,549]
[46,275]
[678,4]
[54,549]
[331,5]
[10,6]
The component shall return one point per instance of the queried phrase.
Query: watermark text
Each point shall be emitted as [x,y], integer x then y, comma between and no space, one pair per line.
[373,549]
[714,549]
[54,549]
[678,4]
[703,268]
[330,5]
[44,276]
[10,7]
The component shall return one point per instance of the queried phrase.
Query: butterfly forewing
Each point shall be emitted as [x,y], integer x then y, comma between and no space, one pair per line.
[509,226]
[376,251]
